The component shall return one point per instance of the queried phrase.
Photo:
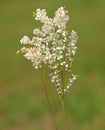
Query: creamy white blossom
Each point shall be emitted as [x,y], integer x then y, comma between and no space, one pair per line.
[25,40]
[54,46]
[41,15]
[61,18]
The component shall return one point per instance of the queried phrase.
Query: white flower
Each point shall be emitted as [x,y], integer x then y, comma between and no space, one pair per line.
[61,18]
[52,45]
[41,15]
[37,32]
[25,40]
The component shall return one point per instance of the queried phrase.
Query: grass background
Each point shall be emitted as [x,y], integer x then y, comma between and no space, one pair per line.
[22,102]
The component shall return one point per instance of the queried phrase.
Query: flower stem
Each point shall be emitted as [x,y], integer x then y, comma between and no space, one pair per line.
[48,101]
[64,110]
[67,125]
[62,100]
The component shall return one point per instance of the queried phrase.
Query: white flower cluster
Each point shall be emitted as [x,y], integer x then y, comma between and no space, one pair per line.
[52,45]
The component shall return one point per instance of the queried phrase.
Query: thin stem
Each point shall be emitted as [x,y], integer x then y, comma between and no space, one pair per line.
[67,125]
[62,100]
[64,110]
[62,78]
[48,101]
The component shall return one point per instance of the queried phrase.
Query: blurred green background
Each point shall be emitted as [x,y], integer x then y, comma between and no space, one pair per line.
[22,102]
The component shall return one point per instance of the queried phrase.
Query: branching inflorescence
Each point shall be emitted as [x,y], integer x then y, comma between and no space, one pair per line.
[54,46]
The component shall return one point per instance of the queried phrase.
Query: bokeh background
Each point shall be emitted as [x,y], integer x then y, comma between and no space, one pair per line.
[23,105]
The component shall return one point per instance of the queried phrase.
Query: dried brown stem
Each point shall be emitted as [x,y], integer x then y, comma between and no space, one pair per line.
[62,100]
[48,101]
[64,110]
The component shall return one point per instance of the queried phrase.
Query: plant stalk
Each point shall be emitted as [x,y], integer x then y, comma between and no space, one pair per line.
[62,100]
[65,115]
[48,101]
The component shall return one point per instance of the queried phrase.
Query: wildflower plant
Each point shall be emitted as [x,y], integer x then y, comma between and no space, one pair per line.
[53,46]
